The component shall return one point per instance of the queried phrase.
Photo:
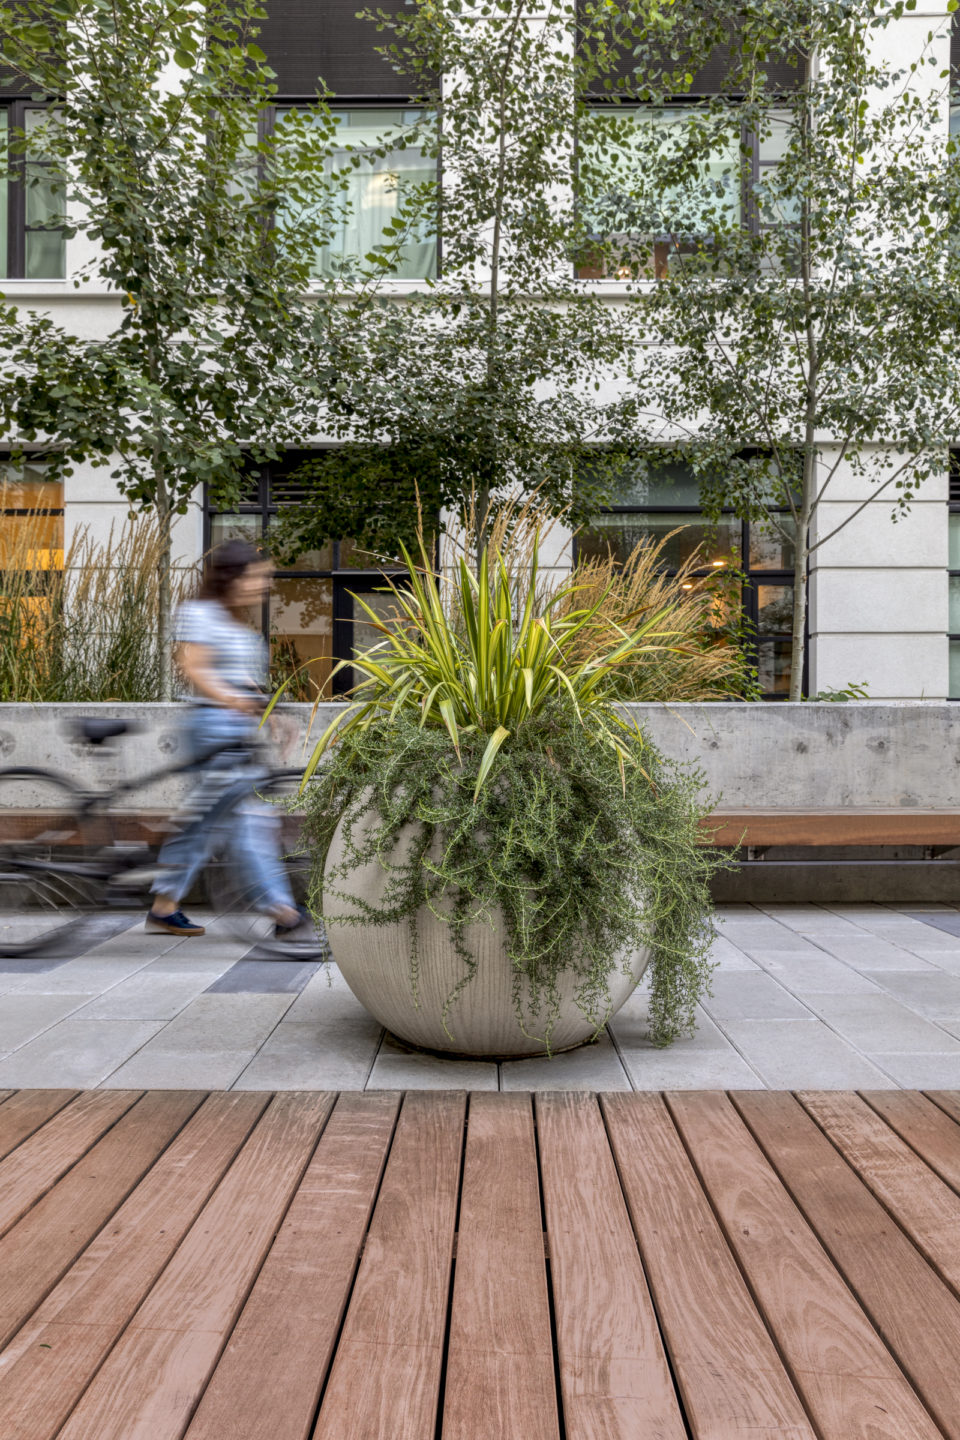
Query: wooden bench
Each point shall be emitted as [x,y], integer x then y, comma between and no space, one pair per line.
[819,828]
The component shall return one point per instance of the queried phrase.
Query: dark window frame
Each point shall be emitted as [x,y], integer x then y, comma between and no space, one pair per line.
[953,508]
[343,578]
[755,577]
[17,228]
[750,220]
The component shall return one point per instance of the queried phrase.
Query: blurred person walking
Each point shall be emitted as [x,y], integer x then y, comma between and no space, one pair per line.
[226,663]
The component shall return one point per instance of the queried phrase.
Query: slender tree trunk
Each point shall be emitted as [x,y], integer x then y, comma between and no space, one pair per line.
[800,563]
[165,587]
[808,496]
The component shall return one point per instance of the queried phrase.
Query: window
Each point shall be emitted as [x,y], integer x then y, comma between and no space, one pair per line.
[733,185]
[653,505]
[376,190]
[31,240]
[311,614]
[953,581]
[31,543]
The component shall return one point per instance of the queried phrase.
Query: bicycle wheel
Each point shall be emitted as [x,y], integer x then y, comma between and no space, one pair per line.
[49,880]
[262,820]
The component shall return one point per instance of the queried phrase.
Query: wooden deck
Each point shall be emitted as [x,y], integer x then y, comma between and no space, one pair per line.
[438,1266]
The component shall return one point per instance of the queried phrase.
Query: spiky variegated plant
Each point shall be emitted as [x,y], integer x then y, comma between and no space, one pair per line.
[456,654]
[479,724]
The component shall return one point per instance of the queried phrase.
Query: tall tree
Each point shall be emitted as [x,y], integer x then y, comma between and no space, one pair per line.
[204,236]
[490,376]
[793,261]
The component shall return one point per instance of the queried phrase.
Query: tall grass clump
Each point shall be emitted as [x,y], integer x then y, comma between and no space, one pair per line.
[79,625]
[703,658]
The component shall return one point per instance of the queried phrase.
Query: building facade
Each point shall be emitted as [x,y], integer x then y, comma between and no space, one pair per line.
[884,597]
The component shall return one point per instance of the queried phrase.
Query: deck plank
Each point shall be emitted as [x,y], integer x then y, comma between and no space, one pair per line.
[271,1373]
[152,1380]
[38,1163]
[732,1381]
[925,1128]
[385,1377]
[42,1246]
[24,1111]
[948,1101]
[500,1376]
[55,1356]
[911,1307]
[917,1199]
[614,1376]
[837,1360]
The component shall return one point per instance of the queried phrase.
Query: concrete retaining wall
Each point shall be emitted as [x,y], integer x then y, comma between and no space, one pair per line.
[764,756]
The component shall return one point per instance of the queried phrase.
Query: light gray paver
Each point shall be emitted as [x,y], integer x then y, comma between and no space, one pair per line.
[803,1054]
[399,1069]
[751,997]
[300,1055]
[592,1067]
[880,1022]
[727,956]
[935,995]
[630,1028]
[921,1072]
[816,973]
[684,1067]
[872,952]
[148,996]
[79,1053]
[24,1017]
[207,1045]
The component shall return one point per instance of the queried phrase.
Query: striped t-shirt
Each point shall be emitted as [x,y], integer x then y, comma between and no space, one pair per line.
[239,655]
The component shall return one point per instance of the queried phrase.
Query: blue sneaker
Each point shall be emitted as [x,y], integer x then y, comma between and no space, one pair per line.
[175,924]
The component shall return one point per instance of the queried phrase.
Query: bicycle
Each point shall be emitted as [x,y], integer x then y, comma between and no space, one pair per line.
[66,854]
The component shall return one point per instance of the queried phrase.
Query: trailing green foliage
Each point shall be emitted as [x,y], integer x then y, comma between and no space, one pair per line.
[585,864]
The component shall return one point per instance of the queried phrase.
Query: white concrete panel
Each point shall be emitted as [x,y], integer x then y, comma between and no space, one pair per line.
[98,519]
[871,538]
[848,485]
[878,600]
[893,667]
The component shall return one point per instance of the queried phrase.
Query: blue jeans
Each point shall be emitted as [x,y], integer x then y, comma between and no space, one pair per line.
[250,831]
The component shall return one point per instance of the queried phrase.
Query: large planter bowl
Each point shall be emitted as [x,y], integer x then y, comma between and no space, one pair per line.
[376,962]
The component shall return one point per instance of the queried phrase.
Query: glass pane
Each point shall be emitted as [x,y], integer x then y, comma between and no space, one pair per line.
[620,534]
[953,691]
[31,542]
[667,485]
[26,487]
[953,561]
[43,197]
[775,609]
[46,255]
[301,634]
[364,632]
[954,622]
[769,550]
[311,560]
[234,527]
[773,147]
[374,192]
[773,666]
[619,148]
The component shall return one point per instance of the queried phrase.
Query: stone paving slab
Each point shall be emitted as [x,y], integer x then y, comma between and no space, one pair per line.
[804,997]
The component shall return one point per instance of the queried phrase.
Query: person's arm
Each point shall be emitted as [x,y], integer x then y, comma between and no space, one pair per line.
[196,662]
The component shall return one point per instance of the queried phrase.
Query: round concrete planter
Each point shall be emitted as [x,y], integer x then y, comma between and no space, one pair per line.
[375,961]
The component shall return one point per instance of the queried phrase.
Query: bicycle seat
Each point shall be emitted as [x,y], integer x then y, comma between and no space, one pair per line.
[95,731]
